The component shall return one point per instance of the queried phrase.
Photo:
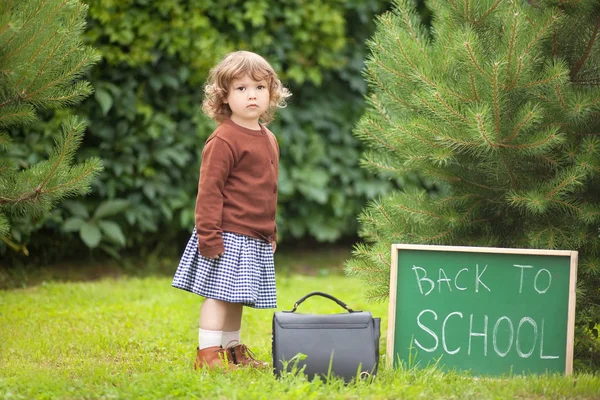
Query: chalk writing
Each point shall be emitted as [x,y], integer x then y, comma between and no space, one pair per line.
[422,279]
[478,329]
[535,279]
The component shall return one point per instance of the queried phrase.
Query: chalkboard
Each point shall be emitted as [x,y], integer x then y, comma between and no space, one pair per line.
[491,311]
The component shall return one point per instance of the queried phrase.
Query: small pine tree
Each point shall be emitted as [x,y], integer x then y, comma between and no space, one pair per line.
[42,58]
[498,104]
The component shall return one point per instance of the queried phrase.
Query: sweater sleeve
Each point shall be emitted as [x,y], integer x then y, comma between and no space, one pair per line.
[217,162]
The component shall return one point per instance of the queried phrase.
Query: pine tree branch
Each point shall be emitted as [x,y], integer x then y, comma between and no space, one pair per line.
[368,220]
[473,89]
[382,112]
[441,176]
[467,13]
[419,137]
[550,161]
[417,159]
[4,140]
[6,28]
[41,26]
[511,45]
[15,246]
[56,47]
[70,138]
[385,87]
[568,205]
[43,46]
[459,142]
[40,191]
[375,125]
[40,6]
[512,85]
[542,97]
[382,212]
[531,22]
[377,139]
[482,131]
[496,99]
[528,145]
[453,4]
[382,167]
[501,155]
[488,12]
[560,96]
[508,168]
[485,137]
[365,270]
[562,185]
[384,260]
[579,64]
[66,77]
[85,174]
[539,35]
[433,239]
[63,98]
[472,56]
[23,197]
[450,109]
[590,81]
[525,200]
[43,66]
[419,212]
[18,96]
[408,60]
[592,104]
[412,65]
[435,111]
[537,237]
[5,117]
[382,65]
[518,127]
[411,30]
[449,199]
[543,81]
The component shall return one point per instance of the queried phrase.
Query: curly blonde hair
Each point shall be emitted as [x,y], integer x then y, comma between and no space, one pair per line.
[233,66]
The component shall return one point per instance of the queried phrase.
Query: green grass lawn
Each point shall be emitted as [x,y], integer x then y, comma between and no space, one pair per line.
[135,337]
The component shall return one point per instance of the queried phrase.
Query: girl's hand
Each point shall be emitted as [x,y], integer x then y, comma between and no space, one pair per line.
[215,257]
[274,246]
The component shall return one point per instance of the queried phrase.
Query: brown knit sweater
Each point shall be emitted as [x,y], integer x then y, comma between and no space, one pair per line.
[237,191]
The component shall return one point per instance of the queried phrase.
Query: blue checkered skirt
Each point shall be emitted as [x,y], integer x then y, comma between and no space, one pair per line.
[244,274]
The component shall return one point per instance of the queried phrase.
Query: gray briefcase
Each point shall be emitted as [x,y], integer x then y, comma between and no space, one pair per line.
[344,345]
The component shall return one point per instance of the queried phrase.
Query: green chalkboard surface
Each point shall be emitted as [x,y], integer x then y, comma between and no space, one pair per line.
[492,311]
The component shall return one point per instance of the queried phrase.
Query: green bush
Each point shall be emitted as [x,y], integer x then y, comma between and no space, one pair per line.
[145,121]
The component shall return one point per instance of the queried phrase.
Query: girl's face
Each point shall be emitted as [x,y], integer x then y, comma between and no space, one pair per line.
[248,100]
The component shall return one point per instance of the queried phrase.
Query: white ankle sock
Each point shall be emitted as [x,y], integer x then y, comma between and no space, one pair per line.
[208,338]
[230,338]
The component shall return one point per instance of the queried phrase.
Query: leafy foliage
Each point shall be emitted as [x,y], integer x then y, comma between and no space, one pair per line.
[497,104]
[42,58]
[146,124]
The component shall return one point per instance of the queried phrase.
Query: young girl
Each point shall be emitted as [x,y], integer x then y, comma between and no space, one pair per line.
[229,258]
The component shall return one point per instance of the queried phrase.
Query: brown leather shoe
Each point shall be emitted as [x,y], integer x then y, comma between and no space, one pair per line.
[243,356]
[214,357]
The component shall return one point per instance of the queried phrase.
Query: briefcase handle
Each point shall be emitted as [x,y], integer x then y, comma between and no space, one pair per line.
[341,303]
